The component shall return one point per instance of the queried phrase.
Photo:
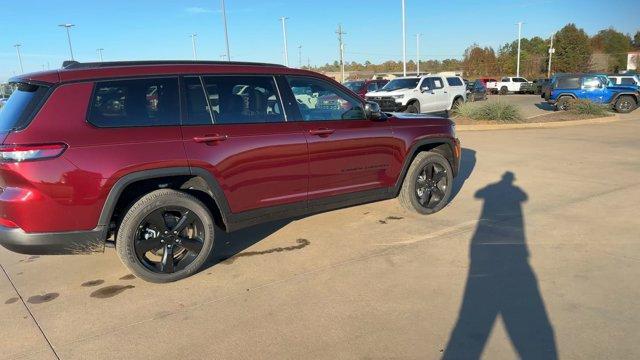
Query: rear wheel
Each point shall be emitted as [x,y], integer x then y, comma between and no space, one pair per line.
[504,90]
[563,103]
[427,185]
[165,236]
[625,104]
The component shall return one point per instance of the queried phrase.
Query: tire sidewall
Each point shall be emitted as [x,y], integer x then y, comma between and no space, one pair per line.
[620,100]
[409,184]
[136,214]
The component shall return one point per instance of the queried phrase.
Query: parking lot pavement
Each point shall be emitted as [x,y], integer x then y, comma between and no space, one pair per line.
[537,255]
[530,105]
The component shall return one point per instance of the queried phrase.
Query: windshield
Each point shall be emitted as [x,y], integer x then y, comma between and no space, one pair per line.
[397,84]
[354,85]
[17,110]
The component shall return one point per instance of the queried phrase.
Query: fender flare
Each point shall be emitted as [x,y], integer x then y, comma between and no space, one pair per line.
[629,93]
[412,152]
[118,187]
[566,94]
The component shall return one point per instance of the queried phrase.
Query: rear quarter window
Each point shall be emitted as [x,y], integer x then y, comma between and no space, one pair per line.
[136,102]
[454,81]
[22,105]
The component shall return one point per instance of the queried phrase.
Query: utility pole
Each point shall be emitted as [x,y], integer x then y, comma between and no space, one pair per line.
[193,45]
[100,54]
[17,46]
[299,56]
[284,34]
[551,51]
[519,37]
[308,63]
[341,49]
[226,34]
[67,27]
[404,42]
[418,54]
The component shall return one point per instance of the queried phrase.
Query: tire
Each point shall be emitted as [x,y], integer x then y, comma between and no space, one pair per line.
[413,108]
[562,103]
[504,90]
[141,228]
[412,199]
[625,104]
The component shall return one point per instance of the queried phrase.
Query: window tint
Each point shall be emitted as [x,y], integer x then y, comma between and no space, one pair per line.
[140,102]
[372,86]
[591,82]
[454,81]
[198,111]
[505,80]
[243,99]
[318,100]
[519,80]
[568,83]
[22,103]
[436,83]
[627,81]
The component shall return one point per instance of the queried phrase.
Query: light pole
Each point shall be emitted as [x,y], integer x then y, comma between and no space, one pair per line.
[99,51]
[418,54]
[67,26]
[341,50]
[226,34]
[404,43]
[17,46]
[519,37]
[300,56]
[551,51]
[284,34]
[193,46]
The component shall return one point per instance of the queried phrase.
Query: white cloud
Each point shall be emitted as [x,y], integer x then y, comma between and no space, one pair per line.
[198,10]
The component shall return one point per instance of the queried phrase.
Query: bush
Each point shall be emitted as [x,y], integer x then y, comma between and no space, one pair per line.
[496,111]
[586,107]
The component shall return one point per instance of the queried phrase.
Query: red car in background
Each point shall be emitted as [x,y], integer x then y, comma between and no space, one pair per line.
[362,87]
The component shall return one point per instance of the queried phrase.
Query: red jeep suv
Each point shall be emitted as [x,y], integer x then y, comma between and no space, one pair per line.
[153,155]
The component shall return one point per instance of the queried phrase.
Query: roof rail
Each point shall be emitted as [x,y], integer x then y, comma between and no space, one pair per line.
[69,64]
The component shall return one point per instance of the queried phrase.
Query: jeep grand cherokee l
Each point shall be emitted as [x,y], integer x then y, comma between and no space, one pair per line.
[153,155]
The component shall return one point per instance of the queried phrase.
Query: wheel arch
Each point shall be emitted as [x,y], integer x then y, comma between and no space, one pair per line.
[632,94]
[443,146]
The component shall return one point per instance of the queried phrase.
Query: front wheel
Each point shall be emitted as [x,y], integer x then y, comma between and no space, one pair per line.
[413,108]
[625,104]
[427,185]
[504,90]
[165,236]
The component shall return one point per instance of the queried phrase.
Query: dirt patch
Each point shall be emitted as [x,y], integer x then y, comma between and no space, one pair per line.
[39,299]
[92,283]
[11,300]
[110,291]
[128,277]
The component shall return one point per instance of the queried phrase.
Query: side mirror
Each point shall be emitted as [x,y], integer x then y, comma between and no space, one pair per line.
[372,110]
[424,89]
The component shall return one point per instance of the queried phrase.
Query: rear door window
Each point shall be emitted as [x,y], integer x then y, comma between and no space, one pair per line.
[627,81]
[138,102]
[454,81]
[568,83]
[21,106]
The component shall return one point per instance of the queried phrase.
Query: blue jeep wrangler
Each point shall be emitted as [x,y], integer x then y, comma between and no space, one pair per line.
[594,87]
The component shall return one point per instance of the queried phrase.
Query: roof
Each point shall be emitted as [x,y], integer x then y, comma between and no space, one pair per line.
[78,65]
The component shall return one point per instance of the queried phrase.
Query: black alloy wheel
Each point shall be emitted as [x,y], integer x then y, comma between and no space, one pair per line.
[169,239]
[431,185]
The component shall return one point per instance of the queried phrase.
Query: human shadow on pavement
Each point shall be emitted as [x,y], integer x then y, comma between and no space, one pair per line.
[501,282]
[467,164]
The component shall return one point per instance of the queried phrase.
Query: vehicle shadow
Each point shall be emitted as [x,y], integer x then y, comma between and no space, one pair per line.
[467,164]
[227,245]
[501,282]
[544,106]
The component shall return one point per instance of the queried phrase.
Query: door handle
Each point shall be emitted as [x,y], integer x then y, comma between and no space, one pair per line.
[210,138]
[322,132]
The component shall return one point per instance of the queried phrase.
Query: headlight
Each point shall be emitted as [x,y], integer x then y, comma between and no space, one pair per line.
[397,96]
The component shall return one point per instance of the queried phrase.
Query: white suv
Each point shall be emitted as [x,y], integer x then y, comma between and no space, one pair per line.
[625,79]
[506,85]
[423,94]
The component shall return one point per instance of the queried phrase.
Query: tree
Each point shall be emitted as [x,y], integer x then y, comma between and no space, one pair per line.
[479,61]
[573,50]
[615,44]
[636,40]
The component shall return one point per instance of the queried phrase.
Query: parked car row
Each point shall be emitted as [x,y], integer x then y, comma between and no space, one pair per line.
[598,88]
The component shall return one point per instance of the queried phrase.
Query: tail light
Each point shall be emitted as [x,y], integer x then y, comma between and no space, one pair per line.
[21,153]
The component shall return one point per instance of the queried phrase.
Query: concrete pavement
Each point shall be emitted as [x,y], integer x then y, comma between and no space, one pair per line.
[555,245]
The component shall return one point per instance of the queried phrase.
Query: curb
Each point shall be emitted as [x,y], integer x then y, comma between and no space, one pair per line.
[542,125]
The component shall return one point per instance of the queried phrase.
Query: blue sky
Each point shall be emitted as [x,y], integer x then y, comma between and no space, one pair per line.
[146,29]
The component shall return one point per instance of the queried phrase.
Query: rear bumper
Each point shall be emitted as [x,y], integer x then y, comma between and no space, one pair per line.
[57,243]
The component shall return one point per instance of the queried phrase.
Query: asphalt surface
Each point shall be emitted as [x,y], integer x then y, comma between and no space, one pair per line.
[530,105]
[537,256]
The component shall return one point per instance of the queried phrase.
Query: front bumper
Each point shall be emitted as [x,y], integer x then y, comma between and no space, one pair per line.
[388,104]
[56,243]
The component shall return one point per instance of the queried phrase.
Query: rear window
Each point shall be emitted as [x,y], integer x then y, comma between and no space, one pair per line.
[627,81]
[139,102]
[21,106]
[568,83]
[454,81]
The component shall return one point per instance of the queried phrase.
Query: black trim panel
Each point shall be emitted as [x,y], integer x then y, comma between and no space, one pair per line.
[58,243]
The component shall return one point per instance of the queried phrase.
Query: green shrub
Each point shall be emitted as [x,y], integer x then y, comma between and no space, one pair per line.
[586,107]
[496,111]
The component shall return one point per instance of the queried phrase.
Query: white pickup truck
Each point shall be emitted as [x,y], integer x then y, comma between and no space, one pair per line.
[507,85]
[420,94]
